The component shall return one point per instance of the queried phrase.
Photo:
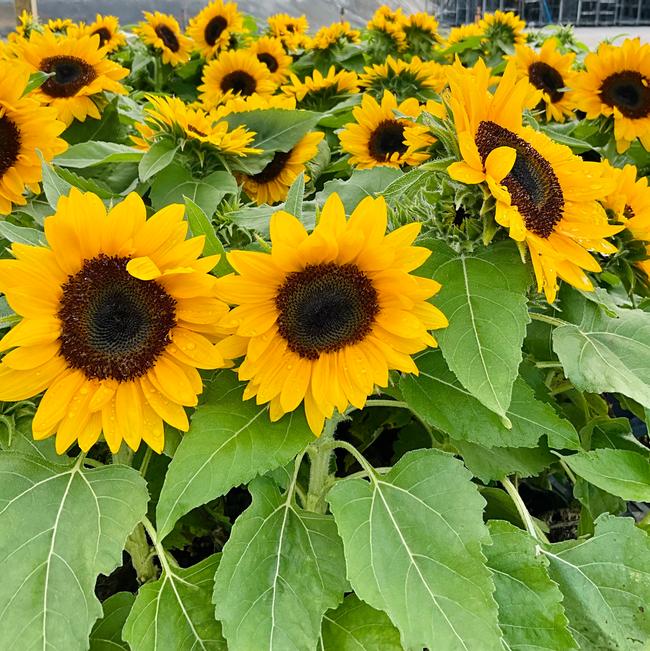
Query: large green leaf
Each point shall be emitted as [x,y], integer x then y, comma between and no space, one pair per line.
[156,159]
[176,611]
[60,526]
[229,442]
[484,297]
[412,542]
[282,569]
[600,353]
[606,585]
[361,184]
[530,603]
[356,626]
[54,186]
[21,234]
[107,632]
[87,154]
[439,398]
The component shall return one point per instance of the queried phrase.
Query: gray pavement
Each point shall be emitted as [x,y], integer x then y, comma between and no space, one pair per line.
[591,36]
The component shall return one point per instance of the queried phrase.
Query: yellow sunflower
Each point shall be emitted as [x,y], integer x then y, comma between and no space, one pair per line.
[118,312]
[334,34]
[291,30]
[273,182]
[390,24]
[379,137]
[503,26]
[551,72]
[234,73]
[58,25]
[107,28]
[26,23]
[545,196]
[255,102]
[164,34]
[422,24]
[463,32]
[26,128]
[322,92]
[324,317]
[213,26]
[81,73]
[616,83]
[270,52]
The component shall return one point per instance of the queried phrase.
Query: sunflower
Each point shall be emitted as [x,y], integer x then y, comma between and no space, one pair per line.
[107,28]
[507,28]
[322,93]
[385,15]
[421,31]
[545,196]
[81,73]
[234,73]
[414,78]
[322,318]
[379,137]
[118,312]
[255,102]
[462,33]
[291,30]
[270,52]
[335,34]
[213,26]
[26,23]
[388,26]
[551,72]
[26,128]
[273,182]
[59,25]
[616,83]
[164,34]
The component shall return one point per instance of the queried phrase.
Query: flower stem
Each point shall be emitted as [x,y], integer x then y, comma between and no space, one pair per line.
[524,514]
[387,403]
[141,553]
[545,318]
[320,457]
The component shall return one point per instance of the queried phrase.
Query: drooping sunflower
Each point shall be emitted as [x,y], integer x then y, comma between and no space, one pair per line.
[213,26]
[379,137]
[118,312]
[234,73]
[81,73]
[291,30]
[26,128]
[322,92]
[335,34]
[616,83]
[551,72]
[163,33]
[546,196]
[324,316]
[503,26]
[107,28]
[273,182]
[270,52]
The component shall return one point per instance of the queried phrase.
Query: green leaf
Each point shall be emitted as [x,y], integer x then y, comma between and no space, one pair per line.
[53,185]
[229,442]
[159,156]
[403,184]
[594,502]
[604,354]
[201,225]
[18,437]
[107,632]
[361,184]
[437,397]
[293,204]
[355,626]
[606,584]
[36,80]
[412,543]
[176,611]
[87,154]
[282,569]
[86,184]
[60,526]
[21,234]
[619,472]
[484,297]
[531,615]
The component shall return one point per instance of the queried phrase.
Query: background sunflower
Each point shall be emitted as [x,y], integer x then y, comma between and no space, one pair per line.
[163,33]
[212,28]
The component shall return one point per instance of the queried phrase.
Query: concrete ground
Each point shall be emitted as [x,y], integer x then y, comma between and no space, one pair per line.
[591,36]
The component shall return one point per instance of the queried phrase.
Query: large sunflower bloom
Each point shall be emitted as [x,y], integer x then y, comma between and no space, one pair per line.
[118,313]
[107,28]
[502,26]
[163,33]
[551,72]
[616,83]
[322,92]
[379,137]
[213,26]
[234,73]
[270,52]
[26,128]
[81,73]
[273,182]
[545,196]
[322,318]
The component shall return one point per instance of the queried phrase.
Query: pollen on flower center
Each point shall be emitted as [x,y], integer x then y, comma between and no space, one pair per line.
[629,92]
[71,74]
[112,324]
[9,144]
[546,78]
[324,308]
[167,36]
[386,140]
[214,29]
[533,186]
[240,82]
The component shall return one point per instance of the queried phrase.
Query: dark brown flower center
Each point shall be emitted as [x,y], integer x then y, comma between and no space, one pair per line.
[533,186]
[324,308]
[104,36]
[214,29]
[239,81]
[268,60]
[546,78]
[628,212]
[386,140]
[274,168]
[9,144]
[168,37]
[71,74]
[112,324]
[629,92]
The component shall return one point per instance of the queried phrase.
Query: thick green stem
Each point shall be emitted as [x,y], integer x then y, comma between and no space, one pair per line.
[141,555]
[320,457]
[524,514]
[124,455]
[545,318]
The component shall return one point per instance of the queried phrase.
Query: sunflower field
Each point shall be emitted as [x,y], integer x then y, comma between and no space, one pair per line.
[329,339]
